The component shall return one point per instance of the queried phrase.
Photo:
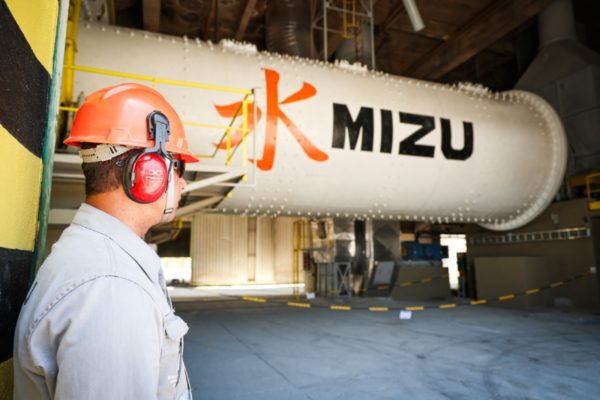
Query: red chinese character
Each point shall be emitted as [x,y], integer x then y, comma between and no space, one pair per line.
[274,114]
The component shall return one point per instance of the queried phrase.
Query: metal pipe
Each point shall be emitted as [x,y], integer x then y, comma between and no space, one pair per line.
[454,169]
[325,6]
[373,65]
[50,141]
[414,15]
[556,22]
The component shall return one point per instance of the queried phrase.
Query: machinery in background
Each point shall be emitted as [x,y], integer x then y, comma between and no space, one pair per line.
[432,253]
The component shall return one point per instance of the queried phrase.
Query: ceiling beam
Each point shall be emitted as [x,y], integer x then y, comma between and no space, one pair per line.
[125,4]
[490,25]
[383,35]
[152,15]
[243,25]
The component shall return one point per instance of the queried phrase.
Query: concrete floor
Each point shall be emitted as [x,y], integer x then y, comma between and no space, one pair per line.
[240,350]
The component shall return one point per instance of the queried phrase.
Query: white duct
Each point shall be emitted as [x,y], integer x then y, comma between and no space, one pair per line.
[414,15]
[345,142]
[567,75]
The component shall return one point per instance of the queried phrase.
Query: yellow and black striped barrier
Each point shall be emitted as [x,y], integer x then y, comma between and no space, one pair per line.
[409,283]
[28,39]
[443,306]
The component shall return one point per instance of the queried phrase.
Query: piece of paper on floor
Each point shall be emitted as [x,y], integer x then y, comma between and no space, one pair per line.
[405,314]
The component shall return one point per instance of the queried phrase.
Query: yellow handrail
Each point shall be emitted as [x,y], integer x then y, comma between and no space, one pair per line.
[227,128]
[147,78]
[189,123]
[70,50]
[156,80]
[244,131]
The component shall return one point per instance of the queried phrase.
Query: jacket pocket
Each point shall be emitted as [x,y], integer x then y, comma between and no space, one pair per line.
[172,373]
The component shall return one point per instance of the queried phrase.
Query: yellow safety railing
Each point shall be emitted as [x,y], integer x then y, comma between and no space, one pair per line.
[350,20]
[70,50]
[246,101]
[592,185]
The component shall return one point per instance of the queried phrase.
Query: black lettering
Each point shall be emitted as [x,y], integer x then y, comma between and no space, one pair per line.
[387,131]
[342,121]
[409,145]
[451,153]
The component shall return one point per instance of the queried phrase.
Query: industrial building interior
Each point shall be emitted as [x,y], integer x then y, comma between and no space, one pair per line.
[312,303]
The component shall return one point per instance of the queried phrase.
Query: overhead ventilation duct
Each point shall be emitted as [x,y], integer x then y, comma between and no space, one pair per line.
[567,75]
[288,27]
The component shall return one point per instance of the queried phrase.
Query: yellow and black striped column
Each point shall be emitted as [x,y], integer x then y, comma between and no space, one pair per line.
[28,32]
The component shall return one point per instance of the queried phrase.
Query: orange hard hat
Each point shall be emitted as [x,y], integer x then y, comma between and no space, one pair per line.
[118,115]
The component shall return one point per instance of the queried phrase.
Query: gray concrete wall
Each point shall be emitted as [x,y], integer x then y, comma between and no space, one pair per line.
[568,257]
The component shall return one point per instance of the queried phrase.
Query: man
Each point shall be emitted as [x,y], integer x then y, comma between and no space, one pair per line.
[98,322]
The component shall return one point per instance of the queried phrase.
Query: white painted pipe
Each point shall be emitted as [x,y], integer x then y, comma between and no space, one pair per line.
[344,141]
[414,15]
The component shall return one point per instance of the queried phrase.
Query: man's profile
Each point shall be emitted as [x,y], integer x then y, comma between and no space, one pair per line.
[98,322]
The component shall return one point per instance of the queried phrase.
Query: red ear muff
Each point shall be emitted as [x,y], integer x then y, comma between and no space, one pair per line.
[146,177]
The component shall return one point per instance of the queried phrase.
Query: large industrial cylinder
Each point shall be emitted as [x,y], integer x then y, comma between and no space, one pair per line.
[335,140]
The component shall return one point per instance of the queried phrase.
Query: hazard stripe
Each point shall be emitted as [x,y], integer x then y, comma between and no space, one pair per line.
[451,305]
[380,309]
[28,31]
[14,270]
[37,19]
[254,299]
[24,81]
[20,175]
[506,297]
[477,302]
[300,305]
[340,308]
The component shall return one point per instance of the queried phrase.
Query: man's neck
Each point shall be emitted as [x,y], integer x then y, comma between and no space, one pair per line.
[121,207]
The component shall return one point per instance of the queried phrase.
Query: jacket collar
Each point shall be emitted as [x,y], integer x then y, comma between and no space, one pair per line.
[107,225]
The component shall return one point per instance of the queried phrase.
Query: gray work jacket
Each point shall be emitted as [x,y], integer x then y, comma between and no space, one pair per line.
[98,322]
